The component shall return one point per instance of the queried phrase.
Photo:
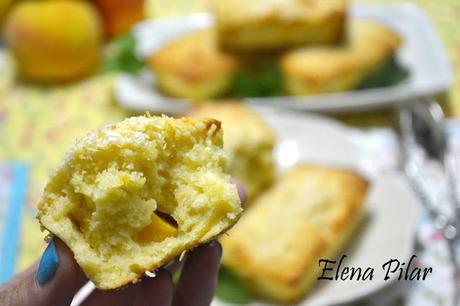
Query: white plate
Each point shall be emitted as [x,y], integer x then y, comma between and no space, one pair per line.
[392,208]
[422,52]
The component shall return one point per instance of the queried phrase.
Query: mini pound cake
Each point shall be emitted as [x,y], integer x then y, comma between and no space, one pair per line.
[268,25]
[193,67]
[308,214]
[133,195]
[319,70]
[249,142]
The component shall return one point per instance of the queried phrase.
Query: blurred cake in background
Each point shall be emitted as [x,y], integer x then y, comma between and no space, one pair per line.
[310,213]
[271,48]
[249,142]
[194,67]
[267,25]
[369,50]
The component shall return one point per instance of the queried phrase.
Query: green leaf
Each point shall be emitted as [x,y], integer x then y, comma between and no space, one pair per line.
[265,80]
[121,56]
[230,289]
[389,74]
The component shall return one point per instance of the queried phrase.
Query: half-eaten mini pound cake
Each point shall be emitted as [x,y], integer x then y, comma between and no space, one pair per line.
[308,214]
[269,25]
[249,142]
[133,195]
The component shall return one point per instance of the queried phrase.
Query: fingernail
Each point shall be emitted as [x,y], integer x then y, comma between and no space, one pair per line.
[172,264]
[241,190]
[167,272]
[214,244]
[48,264]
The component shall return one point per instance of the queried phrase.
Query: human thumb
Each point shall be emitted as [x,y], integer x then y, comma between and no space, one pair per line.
[52,282]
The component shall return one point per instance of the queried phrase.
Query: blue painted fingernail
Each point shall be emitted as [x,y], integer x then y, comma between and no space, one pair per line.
[48,264]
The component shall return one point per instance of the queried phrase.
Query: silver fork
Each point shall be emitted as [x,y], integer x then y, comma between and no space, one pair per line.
[421,129]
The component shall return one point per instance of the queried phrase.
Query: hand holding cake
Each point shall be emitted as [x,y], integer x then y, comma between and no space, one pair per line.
[58,277]
[127,200]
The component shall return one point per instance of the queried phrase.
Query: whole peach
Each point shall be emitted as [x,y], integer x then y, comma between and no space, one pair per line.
[54,41]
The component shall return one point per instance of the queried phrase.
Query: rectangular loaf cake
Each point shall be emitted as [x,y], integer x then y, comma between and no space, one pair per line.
[267,25]
[309,214]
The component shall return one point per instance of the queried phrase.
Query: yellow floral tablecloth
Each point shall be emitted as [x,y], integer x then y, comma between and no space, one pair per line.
[38,125]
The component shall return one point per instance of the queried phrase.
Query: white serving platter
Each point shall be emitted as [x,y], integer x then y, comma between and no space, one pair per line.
[422,53]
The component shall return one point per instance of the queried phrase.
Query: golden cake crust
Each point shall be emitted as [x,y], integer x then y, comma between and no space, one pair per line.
[307,215]
[264,25]
[317,70]
[241,119]
[248,140]
[194,67]
[109,198]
